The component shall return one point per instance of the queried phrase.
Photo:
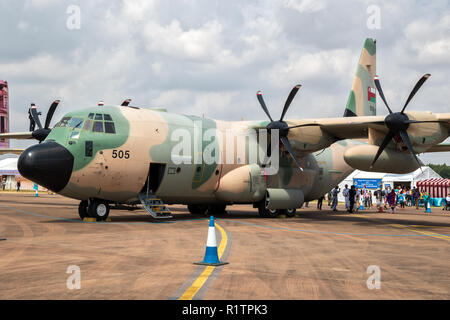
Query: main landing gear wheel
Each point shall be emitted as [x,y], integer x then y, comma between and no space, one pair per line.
[217,209]
[267,213]
[197,209]
[98,209]
[83,209]
[290,212]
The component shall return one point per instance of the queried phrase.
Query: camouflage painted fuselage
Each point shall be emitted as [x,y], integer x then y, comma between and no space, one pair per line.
[117,166]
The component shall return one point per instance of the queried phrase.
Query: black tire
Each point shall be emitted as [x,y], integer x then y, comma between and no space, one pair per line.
[197,209]
[99,209]
[290,212]
[83,209]
[217,209]
[267,213]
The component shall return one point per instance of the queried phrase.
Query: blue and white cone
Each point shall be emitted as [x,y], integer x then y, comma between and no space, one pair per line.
[211,256]
[428,207]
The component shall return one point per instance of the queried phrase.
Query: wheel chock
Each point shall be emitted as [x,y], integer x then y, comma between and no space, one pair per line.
[89,220]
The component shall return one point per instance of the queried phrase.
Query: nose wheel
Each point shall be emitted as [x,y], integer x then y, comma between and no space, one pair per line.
[94,208]
[83,209]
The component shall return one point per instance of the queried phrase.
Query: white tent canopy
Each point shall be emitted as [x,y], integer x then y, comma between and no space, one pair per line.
[8,166]
[389,179]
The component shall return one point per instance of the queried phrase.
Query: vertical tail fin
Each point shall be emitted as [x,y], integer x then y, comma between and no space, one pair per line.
[361,101]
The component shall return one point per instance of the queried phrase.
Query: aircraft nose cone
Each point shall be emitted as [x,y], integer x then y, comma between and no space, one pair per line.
[48,164]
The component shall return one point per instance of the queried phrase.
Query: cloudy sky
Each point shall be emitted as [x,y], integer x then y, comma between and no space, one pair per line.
[210,57]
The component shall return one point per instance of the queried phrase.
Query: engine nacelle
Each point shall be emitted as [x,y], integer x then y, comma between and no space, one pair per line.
[392,161]
[284,198]
[242,185]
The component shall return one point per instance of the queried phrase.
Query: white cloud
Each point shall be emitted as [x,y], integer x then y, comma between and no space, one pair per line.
[334,64]
[306,6]
[191,44]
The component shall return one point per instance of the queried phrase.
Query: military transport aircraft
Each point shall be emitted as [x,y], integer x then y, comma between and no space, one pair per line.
[123,155]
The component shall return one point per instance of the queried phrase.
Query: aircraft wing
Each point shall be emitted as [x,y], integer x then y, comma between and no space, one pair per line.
[16,135]
[358,127]
[11,151]
[345,128]
[424,132]
[443,147]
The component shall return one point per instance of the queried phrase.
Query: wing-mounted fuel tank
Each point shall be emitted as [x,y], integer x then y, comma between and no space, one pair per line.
[393,161]
[242,185]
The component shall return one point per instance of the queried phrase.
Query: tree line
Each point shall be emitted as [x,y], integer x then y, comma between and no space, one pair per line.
[442,169]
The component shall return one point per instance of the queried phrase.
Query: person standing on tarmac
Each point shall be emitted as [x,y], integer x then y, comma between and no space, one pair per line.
[334,194]
[351,198]
[391,200]
[346,197]
[416,197]
[319,202]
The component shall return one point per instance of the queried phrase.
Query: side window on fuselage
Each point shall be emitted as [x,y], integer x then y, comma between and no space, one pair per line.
[88,148]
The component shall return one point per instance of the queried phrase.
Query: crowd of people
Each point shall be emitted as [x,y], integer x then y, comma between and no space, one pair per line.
[392,198]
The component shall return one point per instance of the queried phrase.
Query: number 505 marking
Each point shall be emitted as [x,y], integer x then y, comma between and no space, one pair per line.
[121,154]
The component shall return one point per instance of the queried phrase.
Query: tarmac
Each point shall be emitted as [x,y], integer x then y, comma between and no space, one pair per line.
[315,255]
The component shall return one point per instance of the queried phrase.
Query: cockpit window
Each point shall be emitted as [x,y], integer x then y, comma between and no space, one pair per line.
[91,116]
[63,123]
[98,116]
[109,127]
[98,126]
[107,117]
[87,125]
[76,122]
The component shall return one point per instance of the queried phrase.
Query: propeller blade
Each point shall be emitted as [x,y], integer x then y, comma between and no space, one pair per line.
[288,146]
[383,145]
[415,89]
[263,104]
[126,103]
[289,100]
[35,116]
[406,140]
[380,92]
[50,113]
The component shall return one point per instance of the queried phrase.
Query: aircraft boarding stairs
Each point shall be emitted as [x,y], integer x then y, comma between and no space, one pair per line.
[155,206]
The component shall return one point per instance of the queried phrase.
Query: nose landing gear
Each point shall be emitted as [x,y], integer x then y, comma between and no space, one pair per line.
[94,208]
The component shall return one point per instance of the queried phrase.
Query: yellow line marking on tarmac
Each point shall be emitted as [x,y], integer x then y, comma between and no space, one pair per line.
[428,233]
[200,281]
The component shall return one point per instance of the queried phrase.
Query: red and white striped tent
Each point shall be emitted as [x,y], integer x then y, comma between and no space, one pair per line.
[436,187]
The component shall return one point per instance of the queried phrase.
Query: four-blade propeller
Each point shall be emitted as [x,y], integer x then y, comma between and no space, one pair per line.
[280,125]
[42,132]
[398,122]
